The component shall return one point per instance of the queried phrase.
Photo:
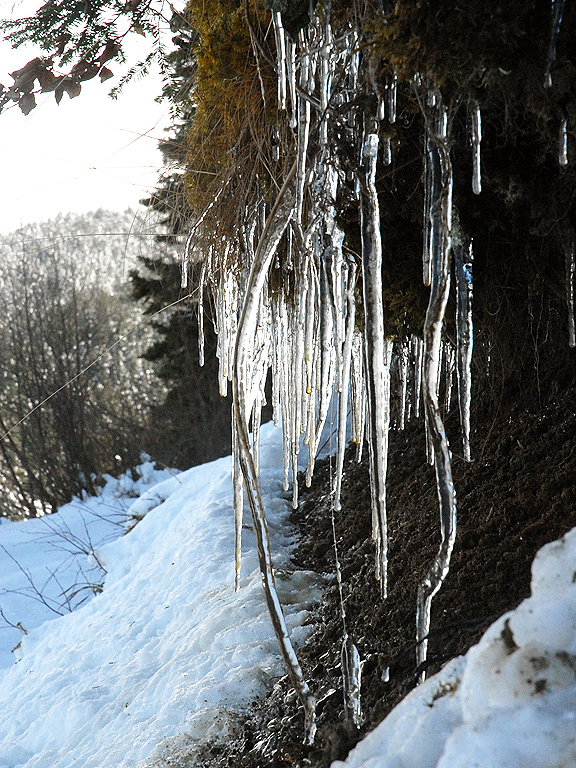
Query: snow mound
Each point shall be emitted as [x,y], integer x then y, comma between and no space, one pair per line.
[511,701]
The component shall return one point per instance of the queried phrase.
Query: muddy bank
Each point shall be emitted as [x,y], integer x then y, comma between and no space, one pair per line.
[517,494]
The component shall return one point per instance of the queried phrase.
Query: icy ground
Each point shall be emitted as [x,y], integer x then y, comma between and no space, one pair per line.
[156,660]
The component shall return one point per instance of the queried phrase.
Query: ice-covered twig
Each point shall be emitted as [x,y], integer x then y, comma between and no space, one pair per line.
[441,211]
[275,227]
[374,350]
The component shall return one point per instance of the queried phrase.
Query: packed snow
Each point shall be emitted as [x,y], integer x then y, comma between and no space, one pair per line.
[167,653]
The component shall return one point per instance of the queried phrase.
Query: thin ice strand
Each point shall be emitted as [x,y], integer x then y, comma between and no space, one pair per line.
[464,338]
[275,226]
[374,351]
[439,290]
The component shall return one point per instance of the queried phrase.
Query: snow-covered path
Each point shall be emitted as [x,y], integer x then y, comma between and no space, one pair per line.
[155,659]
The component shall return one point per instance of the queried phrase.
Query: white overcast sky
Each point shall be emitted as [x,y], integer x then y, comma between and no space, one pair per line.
[86,153]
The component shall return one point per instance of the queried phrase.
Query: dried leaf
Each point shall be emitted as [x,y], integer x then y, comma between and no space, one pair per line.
[84,70]
[71,87]
[138,29]
[24,78]
[105,74]
[27,103]
[110,51]
[48,80]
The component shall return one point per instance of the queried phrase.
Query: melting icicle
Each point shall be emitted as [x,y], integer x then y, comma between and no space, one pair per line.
[377,371]
[569,250]
[291,74]
[563,143]
[201,316]
[464,338]
[403,376]
[441,214]
[352,679]
[325,73]
[557,10]
[343,395]
[476,129]
[280,37]
[387,151]
[392,89]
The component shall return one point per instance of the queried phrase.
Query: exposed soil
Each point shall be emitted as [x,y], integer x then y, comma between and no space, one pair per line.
[517,494]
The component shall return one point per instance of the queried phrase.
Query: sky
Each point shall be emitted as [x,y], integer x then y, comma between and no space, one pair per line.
[86,153]
[167,653]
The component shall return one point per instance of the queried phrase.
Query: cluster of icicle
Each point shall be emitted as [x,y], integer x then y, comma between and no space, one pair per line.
[320,362]
[310,340]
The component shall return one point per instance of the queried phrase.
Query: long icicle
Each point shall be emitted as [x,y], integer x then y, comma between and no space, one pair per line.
[464,338]
[374,351]
[275,227]
[441,208]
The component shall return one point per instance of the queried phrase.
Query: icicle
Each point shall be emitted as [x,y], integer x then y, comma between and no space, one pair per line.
[303,132]
[392,89]
[356,392]
[441,214]
[343,395]
[291,74]
[403,375]
[381,109]
[569,250]
[476,127]
[557,10]
[449,367]
[325,73]
[417,347]
[387,151]
[464,338]
[201,315]
[563,143]
[376,375]
[280,37]
[351,676]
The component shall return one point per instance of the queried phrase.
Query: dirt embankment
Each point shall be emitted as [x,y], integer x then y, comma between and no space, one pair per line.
[517,494]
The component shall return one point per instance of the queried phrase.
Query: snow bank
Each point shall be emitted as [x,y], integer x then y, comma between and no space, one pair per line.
[156,659]
[511,701]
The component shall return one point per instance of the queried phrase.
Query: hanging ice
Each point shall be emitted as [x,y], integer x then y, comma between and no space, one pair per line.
[557,10]
[352,680]
[376,372]
[563,143]
[281,64]
[439,249]
[464,338]
[476,130]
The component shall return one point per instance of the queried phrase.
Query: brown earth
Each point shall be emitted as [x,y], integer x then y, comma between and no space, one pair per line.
[518,494]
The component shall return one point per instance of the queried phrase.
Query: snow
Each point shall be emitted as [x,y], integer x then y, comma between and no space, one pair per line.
[511,701]
[168,651]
